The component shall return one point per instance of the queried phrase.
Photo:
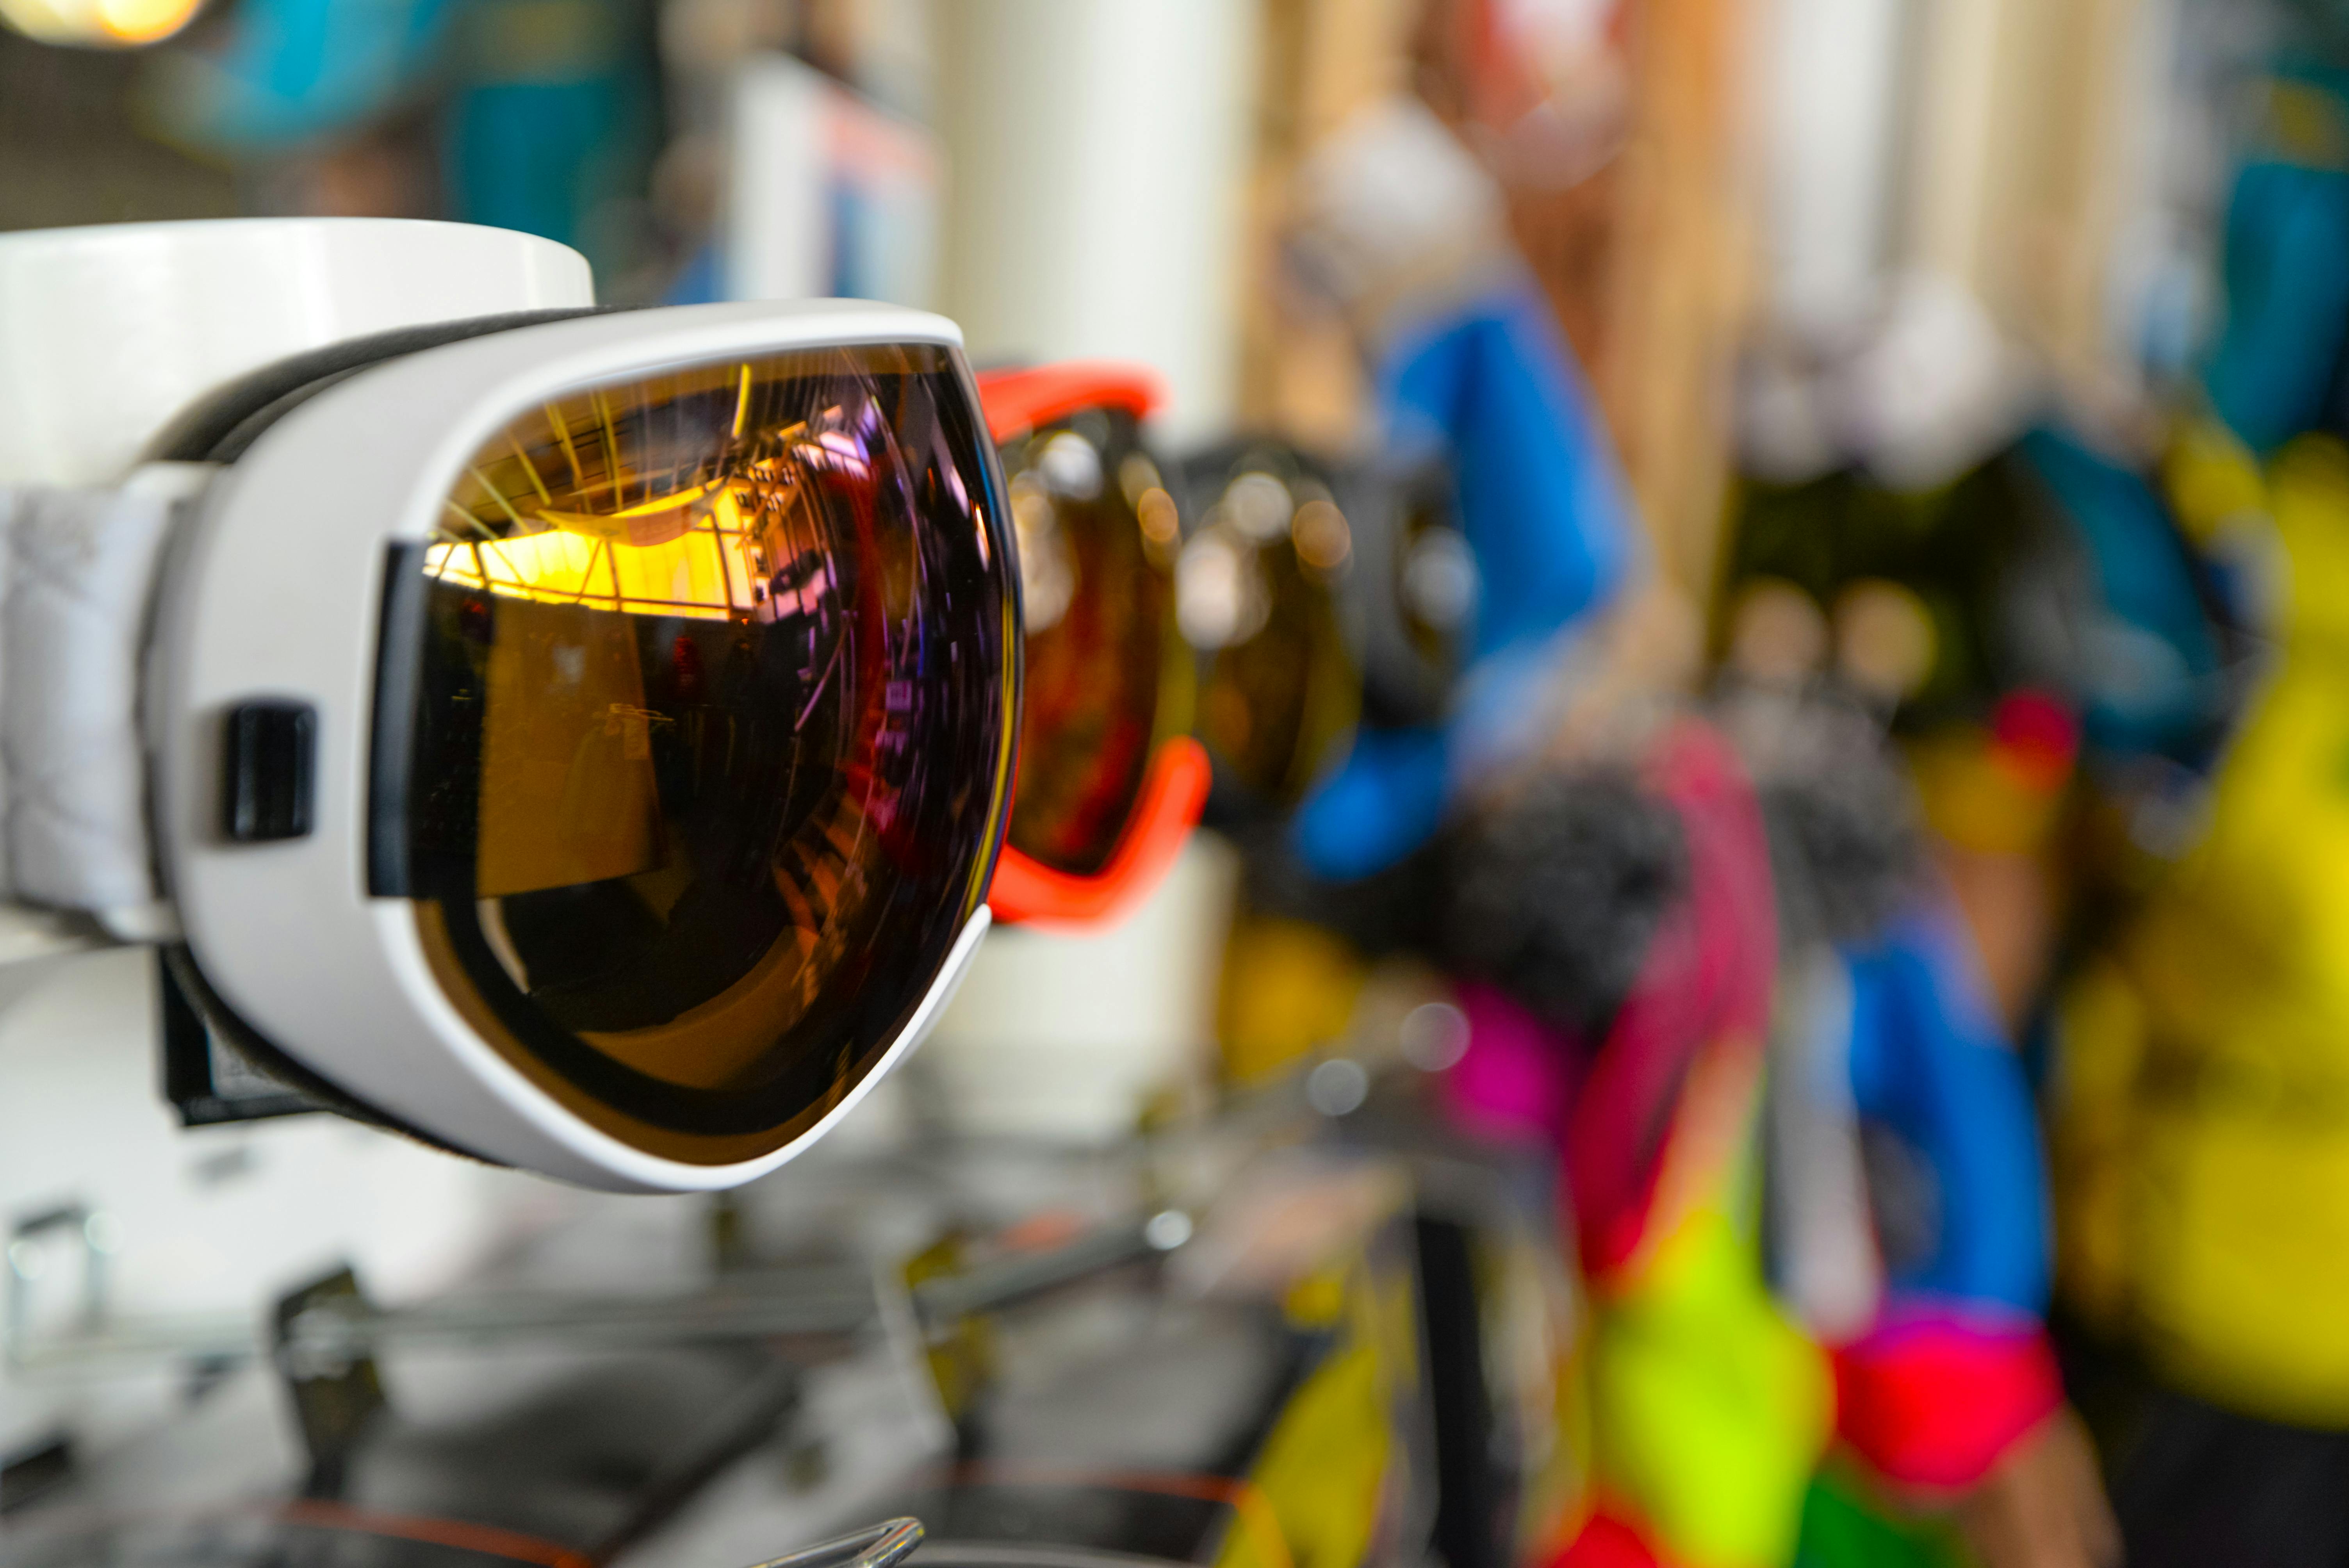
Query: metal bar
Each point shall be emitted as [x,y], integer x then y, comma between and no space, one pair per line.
[749,1305]
[875,1546]
[993,1286]
[793,1302]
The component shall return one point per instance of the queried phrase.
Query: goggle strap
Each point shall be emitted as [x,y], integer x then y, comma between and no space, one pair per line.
[77,574]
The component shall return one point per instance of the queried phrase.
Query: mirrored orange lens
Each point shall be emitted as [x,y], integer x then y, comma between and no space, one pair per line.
[710,733]
[1106,679]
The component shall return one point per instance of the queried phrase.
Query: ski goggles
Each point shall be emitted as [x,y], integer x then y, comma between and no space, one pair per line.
[1261,595]
[1110,781]
[582,744]
[1413,587]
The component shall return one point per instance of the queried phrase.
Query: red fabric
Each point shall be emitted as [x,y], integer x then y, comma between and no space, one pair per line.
[2038,737]
[1608,1541]
[1705,982]
[1932,1403]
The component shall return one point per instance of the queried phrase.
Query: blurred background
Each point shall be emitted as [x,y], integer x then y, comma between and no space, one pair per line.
[1766,974]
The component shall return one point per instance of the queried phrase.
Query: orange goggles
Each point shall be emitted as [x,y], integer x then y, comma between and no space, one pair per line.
[1108,782]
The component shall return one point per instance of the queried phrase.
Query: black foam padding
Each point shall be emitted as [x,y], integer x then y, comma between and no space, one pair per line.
[1554,893]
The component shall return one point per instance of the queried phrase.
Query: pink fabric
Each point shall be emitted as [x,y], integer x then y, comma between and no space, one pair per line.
[1706,983]
[1513,1083]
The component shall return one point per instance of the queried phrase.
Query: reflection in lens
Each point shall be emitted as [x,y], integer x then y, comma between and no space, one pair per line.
[1259,506]
[710,745]
[1048,572]
[1070,465]
[1100,688]
[1222,597]
[1162,524]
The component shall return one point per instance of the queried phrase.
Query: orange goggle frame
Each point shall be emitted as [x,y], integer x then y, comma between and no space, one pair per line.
[1175,785]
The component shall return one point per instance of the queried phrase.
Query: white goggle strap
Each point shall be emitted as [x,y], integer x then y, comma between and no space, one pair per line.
[77,573]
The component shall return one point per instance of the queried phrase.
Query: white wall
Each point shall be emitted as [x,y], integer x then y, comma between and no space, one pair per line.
[1098,159]
[1064,1035]
[1098,154]
[1831,105]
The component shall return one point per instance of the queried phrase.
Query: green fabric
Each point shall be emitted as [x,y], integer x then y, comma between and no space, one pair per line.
[1842,1531]
[1709,1409]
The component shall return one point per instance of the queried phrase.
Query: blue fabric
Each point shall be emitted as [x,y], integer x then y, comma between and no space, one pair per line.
[2146,580]
[702,281]
[1930,1065]
[293,70]
[1545,511]
[539,138]
[1541,502]
[2287,301]
[1383,803]
[541,157]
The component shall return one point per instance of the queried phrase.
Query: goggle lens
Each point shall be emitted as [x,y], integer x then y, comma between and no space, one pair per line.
[1106,679]
[710,746]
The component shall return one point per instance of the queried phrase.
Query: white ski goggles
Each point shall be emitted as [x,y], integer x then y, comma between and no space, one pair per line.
[584,744]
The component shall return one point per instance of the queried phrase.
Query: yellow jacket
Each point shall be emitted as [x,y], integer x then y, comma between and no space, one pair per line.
[2203,1103]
